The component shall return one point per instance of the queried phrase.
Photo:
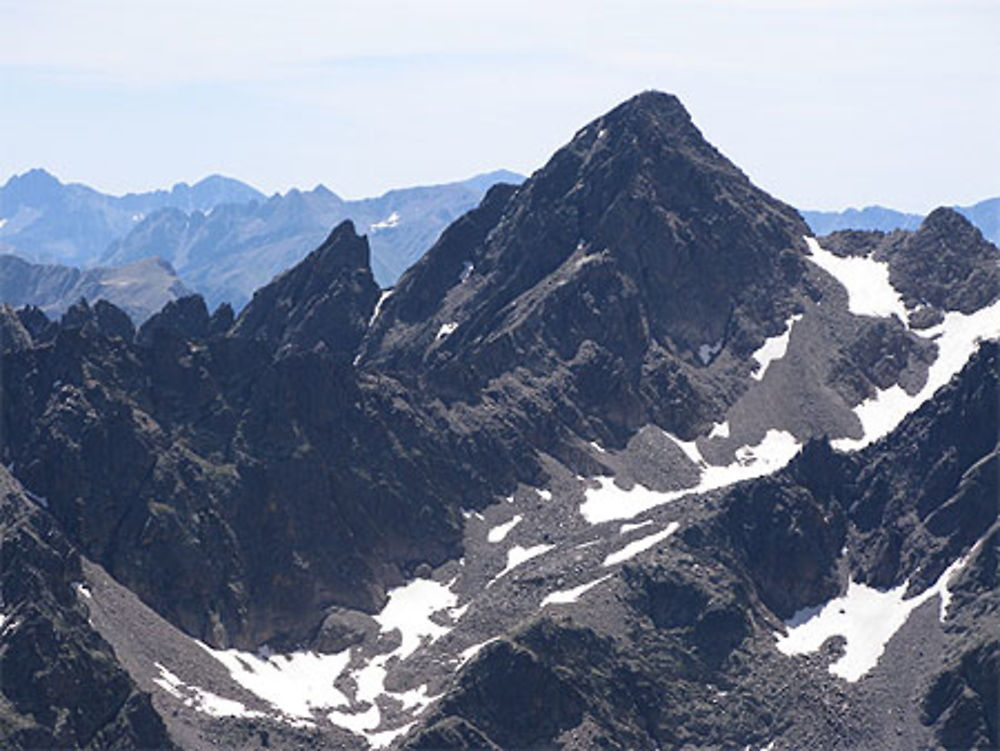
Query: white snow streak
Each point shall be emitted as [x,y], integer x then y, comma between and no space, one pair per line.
[607,501]
[773,349]
[518,555]
[957,338]
[571,595]
[637,546]
[630,527]
[199,699]
[391,221]
[446,330]
[499,532]
[386,293]
[866,280]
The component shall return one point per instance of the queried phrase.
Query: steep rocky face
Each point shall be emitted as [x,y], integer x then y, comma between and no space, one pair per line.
[944,265]
[62,686]
[326,300]
[610,280]
[239,491]
[679,649]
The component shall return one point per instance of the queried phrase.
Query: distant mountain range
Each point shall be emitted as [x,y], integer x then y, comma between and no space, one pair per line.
[985,215]
[140,288]
[223,237]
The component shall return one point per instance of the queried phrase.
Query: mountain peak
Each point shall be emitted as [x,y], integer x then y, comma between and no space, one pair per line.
[637,241]
[327,298]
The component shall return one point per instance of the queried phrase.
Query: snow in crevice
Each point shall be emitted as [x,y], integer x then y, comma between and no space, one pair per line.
[719,430]
[608,502]
[869,292]
[467,268]
[773,349]
[567,596]
[598,447]
[957,338]
[690,449]
[446,330]
[386,294]
[638,546]
[81,589]
[499,532]
[866,618]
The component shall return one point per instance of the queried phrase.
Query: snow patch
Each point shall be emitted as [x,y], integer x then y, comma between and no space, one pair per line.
[499,532]
[566,596]
[637,546]
[390,221]
[608,502]
[409,609]
[720,430]
[598,447]
[446,330]
[294,683]
[545,494]
[773,349]
[470,652]
[866,280]
[957,338]
[867,618]
[199,699]
[518,555]
[81,589]
[629,527]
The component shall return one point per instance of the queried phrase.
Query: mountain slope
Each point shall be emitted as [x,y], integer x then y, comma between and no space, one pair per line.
[62,686]
[140,288]
[622,270]
[624,460]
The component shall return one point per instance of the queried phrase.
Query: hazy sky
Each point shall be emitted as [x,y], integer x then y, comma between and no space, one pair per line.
[824,103]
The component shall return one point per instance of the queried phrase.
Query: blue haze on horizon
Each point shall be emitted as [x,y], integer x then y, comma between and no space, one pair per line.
[825,103]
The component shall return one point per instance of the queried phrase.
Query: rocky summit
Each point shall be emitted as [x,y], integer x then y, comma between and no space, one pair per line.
[628,460]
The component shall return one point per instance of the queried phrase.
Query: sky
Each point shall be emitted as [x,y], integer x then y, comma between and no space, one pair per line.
[824,103]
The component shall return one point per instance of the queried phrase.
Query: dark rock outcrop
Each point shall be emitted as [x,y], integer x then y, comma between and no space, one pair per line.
[327,300]
[62,686]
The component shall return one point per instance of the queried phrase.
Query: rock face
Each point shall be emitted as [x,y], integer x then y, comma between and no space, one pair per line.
[232,478]
[664,662]
[62,686]
[326,300]
[610,280]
